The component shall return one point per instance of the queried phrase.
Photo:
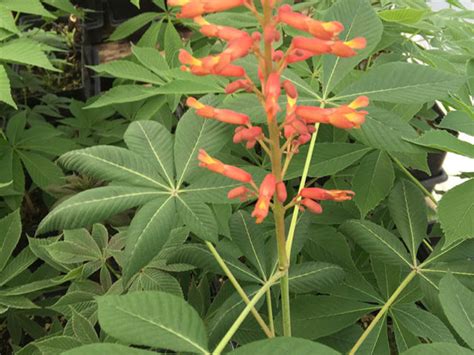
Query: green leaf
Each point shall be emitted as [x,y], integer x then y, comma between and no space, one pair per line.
[132,25]
[17,302]
[328,159]
[403,83]
[248,237]
[151,58]
[194,133]
[313,276]
[95,205]
[123,94]
[200,256]
[173,43]
[314,317]
[106,349]
[458,305]
[359,20]
[284,346]
[154,142]
[55,345]
[148,232]
[33,7]
[408,209]
[212,188]
[377,241]
[10,232]
[7,22]
[150,279]
[5,94]
[17,265]
[456,212]
[437,349]
[113,164]
[42,171]
[83,329]
[25,51]
[198,217]
[129,70]
[377,341]
[458,121]
[155,319]
[422,323]
[404,16]
[443,140]
[372,181]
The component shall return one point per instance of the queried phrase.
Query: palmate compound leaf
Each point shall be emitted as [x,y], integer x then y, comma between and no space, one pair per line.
[10,232]
[284,346]
[437,349]
[458,305]
[155,319]
[313,276]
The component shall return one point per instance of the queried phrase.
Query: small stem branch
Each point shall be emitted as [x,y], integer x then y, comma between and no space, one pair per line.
[383,310]
[307,164]
[270,311]
[414,180]
[240,319]
[239,289]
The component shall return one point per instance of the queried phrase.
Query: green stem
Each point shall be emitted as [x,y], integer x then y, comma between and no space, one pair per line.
[383,311]
[414,180]
[268,332]
[240,319]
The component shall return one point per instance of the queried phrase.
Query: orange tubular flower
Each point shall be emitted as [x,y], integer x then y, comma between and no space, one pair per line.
[195,8]
[223,115]
[265,195]
[346,49]
[314,45]
[281,191]
[272,93]
[319,29]
[249,135]
[312,114]
[240,192]
[232,172]
[312,206]
[223,32]
[298,55]
[315,193]
[242,84]
[217,65]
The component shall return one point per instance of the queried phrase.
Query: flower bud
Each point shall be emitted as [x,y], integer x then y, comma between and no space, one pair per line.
[281,192]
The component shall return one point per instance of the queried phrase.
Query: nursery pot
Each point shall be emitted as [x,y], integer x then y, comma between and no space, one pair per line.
[93,24]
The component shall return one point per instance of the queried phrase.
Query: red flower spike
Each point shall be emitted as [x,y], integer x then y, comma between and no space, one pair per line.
[316,193]
[271,34]
[223,32]
[232,172]
[265,194]
[312,206]
[281,191]
[272,93]
[249,135]
[290,89]
[240,192]
[239,47]
[223,115]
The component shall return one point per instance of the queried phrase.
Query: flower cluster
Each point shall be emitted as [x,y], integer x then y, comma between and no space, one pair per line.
[299,121]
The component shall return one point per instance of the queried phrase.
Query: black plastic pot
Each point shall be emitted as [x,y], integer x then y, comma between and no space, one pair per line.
[88,55]
[120,11]
[93,23]
[430,182]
